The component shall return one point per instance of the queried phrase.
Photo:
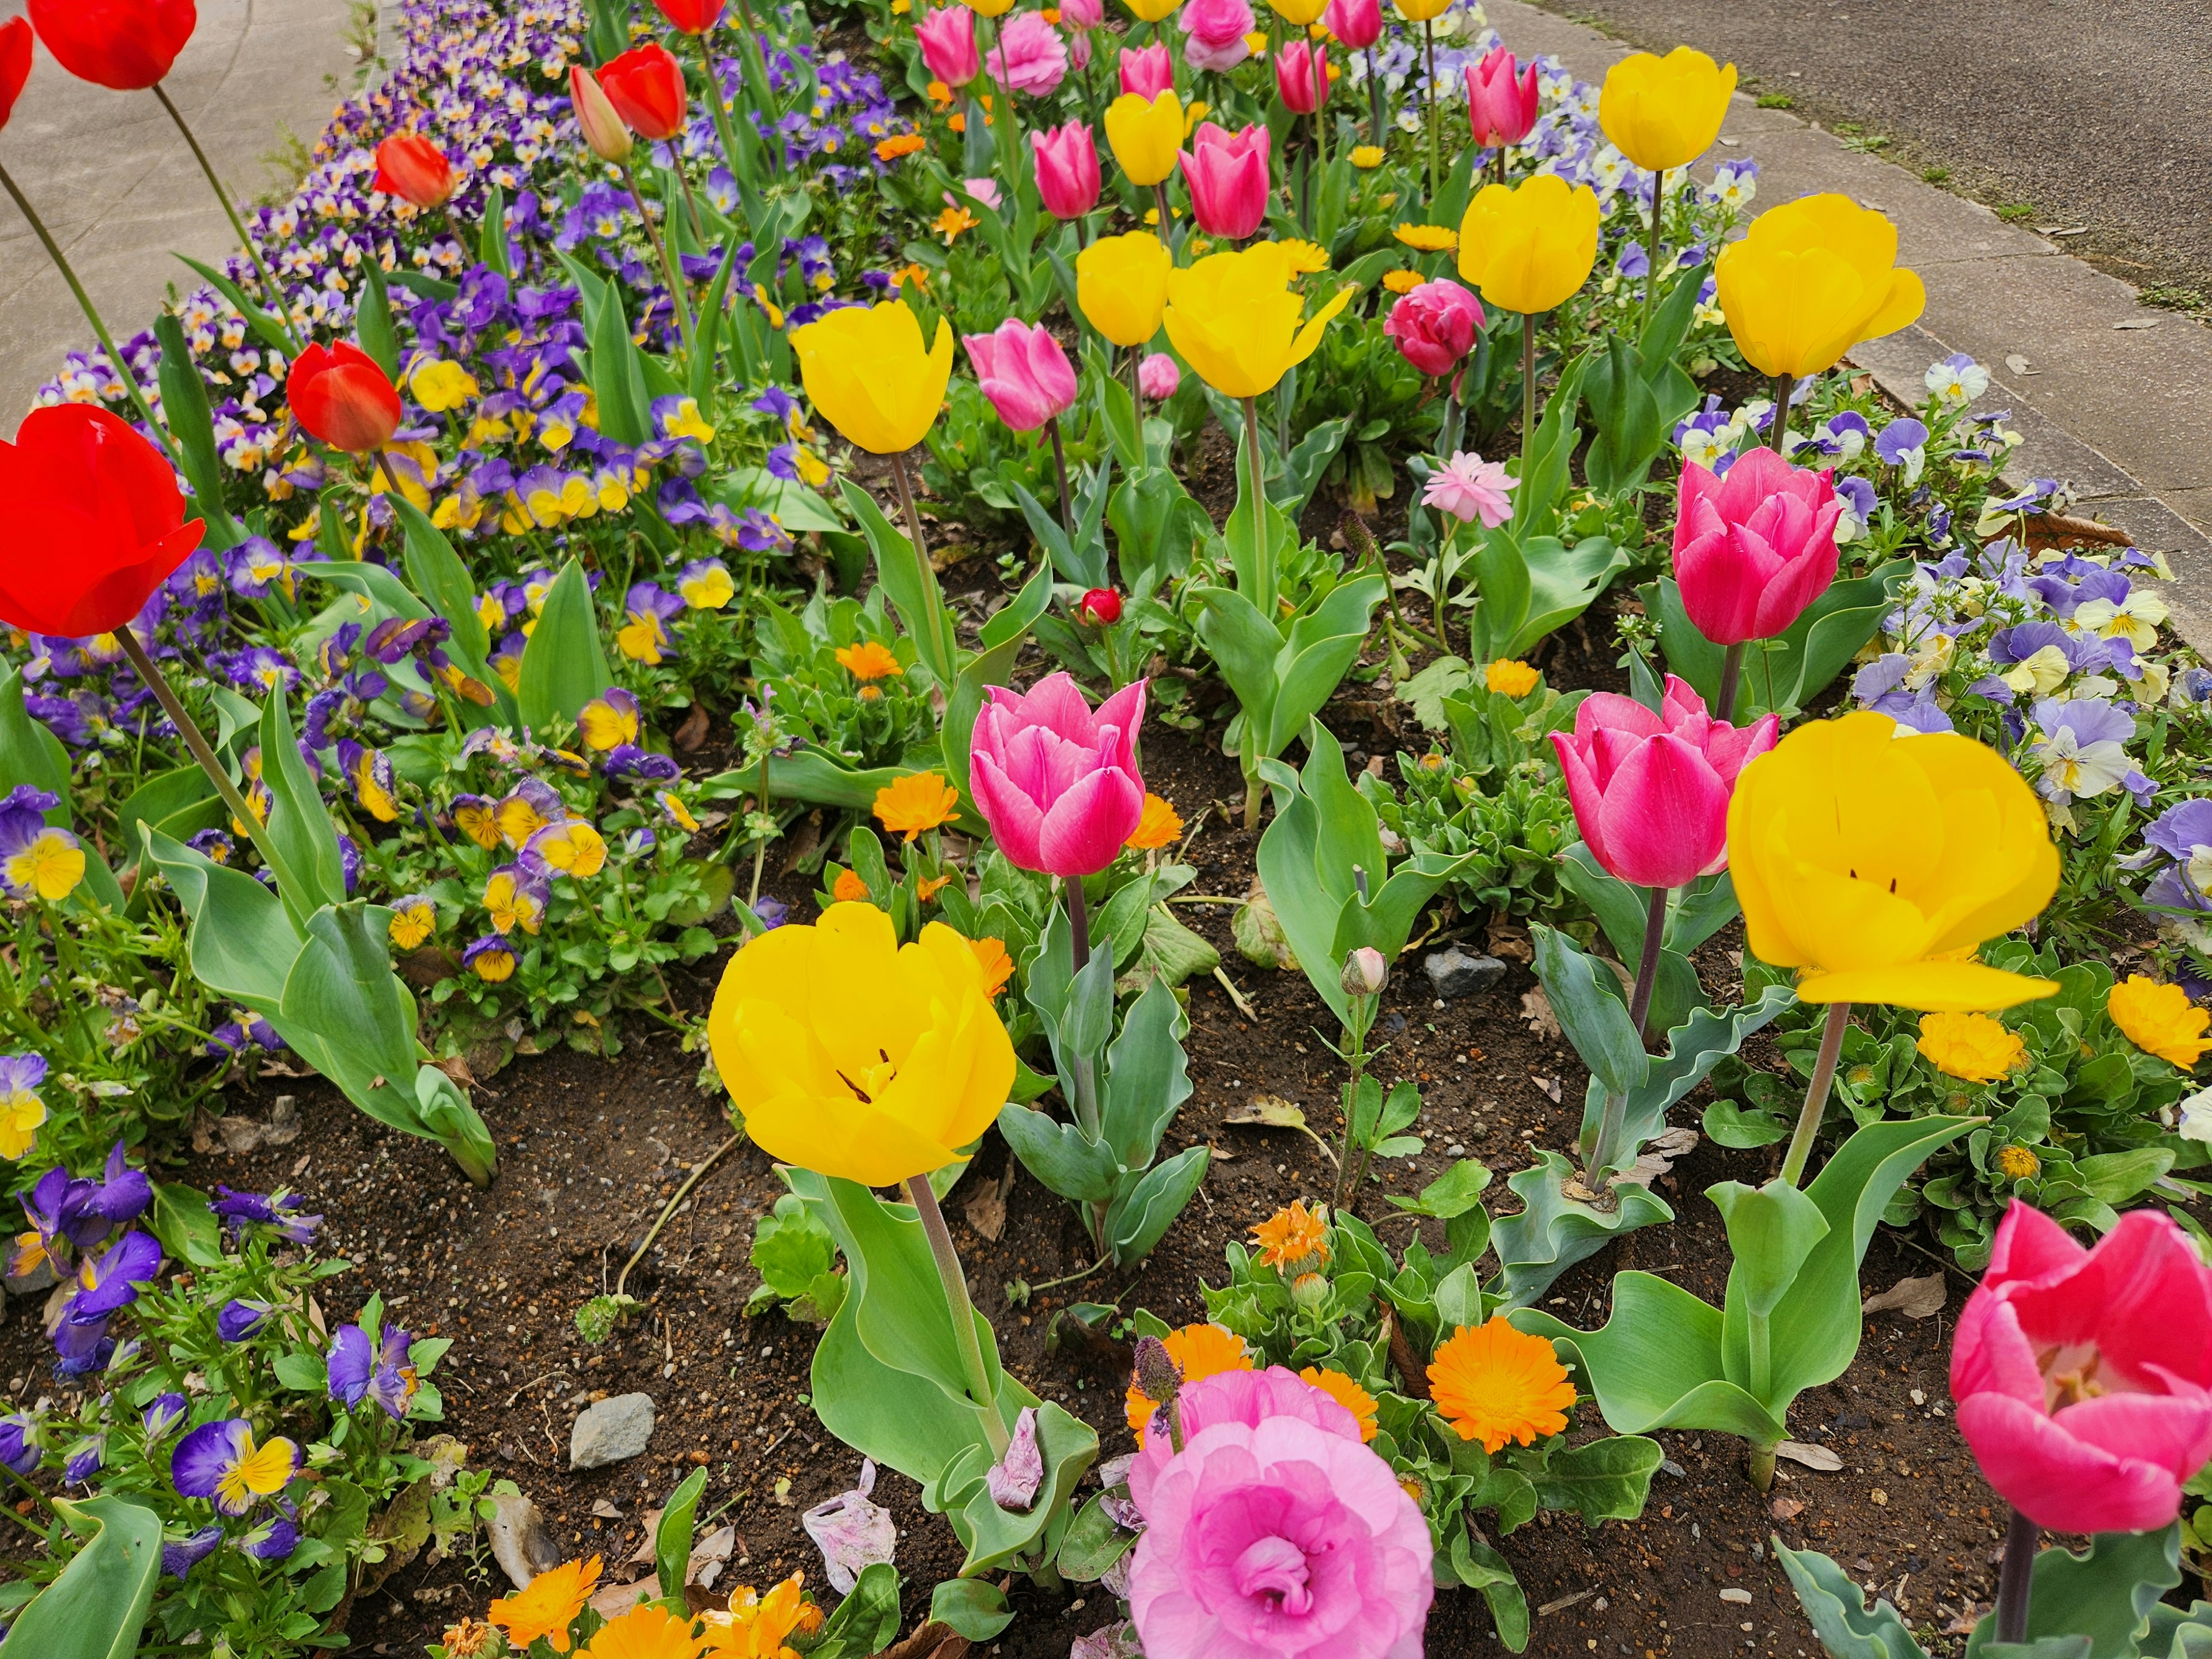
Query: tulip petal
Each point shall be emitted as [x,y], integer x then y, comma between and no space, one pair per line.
[1990,1354]
[1014,818]
[1901,308]
[2172,1432]
[2058,1481]
[1664,814]
[1932,986]
[1083,832]
[2139,1296]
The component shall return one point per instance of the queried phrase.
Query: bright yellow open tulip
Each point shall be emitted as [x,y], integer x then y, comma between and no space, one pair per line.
[1529,246]
[854,1056]
[866,373]
[1144,136]
[990,8]
[1302,13]
[1420,11]
[1234,317]
[1875,864]
[1812,279]
[1663,112]
[1122,285]
[1152,11]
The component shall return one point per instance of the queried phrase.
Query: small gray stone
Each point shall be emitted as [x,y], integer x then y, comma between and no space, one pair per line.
[1454,973]
[39,1280]
[612,1431]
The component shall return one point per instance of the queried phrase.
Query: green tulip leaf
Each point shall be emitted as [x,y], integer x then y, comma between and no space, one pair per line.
[1837,1609]
[2105,1594]
[1552,1231]
[98,1606]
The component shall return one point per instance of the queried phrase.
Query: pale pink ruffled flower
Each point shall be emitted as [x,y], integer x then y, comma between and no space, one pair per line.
[1470,488]
[1030,56]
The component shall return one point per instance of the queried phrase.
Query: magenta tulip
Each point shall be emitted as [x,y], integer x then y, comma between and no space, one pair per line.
[1082,14]
[1158,376]
[1067,170]
[1500,107]
[947,34]
[1215,32]
[1228,178]
[1651,791]
[1753,549]
[1030,56]
[2083,1378]
[1148,71]
[1435,325]
[1358,23]
[1024,373]
[1301,77]
[1057,783]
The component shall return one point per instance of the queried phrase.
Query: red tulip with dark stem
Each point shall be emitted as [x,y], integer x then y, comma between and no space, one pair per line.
[606,132]
[339,395]
[646,87]
[698,19]
[412,168]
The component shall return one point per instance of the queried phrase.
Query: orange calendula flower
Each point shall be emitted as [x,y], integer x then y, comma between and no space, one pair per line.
[903,143]
[1493,1383]
[997,966]
[1296,1236]
[930,886]
[1347,1394]
[1401,282]
[646,1631]
[547,1608]
[848,888]
[466,1639]
[954,220]
[916,802]
[1974,1047]
[2159,1019]
[756,1627]
[868,661]
[1510,676]
[1159,825]
[1198,1352]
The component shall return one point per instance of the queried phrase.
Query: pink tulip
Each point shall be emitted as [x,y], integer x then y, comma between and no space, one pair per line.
[1067,170]
[1030,57]
[1158,376]
[1228,178]
[1057,784]
[1216,31]
[1078,50]
[1148,72]
[1434,324]
[1650,791]
[1500,109]
[1082,14]
[1358,23]
[1752,550]
[948,44]
[1024,373]
[1301,77]
[2081,1376]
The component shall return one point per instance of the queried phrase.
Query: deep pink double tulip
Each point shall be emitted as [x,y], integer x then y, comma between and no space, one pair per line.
[2081,1376]
[1434,324]
[1057,783]
[947,34]
[1227,174]
[1500,107]
[1067,170]
[1651,791]
[1358,23]
[1026,375]
[1753,549]
[1148,71]
[1301,77]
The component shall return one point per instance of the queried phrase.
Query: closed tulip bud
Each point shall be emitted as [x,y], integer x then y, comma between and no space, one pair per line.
[1067,170]
[1358,23]
[1752,550]
[1663,112]
[1227,174]
[1148,72]
[1235,319]
[867,372]
[691,17]
[1366,971]
[340,395]
[1024,372]
[1528,247]
[1301,77]
[1158,376]
[1101,606]
[412,168]
[1434,326]
[604,135]
[947,34]
[646,87]
[1299,14]
[1144,136]
[1810,280]
[1421,11]
[14,64]
[1501,100]
[1122,284]
[126,45]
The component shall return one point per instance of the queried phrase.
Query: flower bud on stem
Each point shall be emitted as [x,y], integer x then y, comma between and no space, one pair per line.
[1160,1381]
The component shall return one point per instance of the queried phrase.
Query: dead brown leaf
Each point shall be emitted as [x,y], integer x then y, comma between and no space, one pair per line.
[1658,1156]
[1536,1009]
[1916,1298]
[929,1641]
[1811,1456]
[986,1211]
[1507,941]
[693,733]
[1787,1509]
[1269,1112]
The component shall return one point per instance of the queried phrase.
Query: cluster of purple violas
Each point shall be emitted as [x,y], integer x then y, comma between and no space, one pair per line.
[81,1229]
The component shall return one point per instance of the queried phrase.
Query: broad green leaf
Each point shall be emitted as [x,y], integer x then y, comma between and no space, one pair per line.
[973,1607]
[1147,1077]
[1770,1232]
[1083,1171]
[98,1606]
[309,872]
[562,666]
[867,1620]
[185,1224]
[372,321]
[1837,1609]
[671,1539]
[1603,1480]
[1147,1209]
[1095,1541]
[191,423]
[2106,1593]
[1591,1016]
[618,377]
[912,585]
[1553,1232]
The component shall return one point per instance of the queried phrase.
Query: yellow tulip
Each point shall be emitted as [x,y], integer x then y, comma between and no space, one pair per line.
[1420,11]
[867,374]
[990,8]
[1812,278]
[1875,864]
[851,1055]
[1144,136]
[1529,248]
[1122,285]
[1234,317]
[1300,13]
[1663,112]
[1152,11]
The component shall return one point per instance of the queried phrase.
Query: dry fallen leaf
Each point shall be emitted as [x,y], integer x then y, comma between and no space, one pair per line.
[986,1211]
[1787,1509]
[1507,941]
[1536,1009]
[1916,1298]
[693,732]
[1658,1156]
[1269,1112]
[615,1600]
[1812,1457]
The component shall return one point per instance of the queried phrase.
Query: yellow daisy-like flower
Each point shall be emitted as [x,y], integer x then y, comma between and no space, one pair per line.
[1367,157]
[547,1608]
[848,888]
[997,966]
[1306,258]
[1293,1236]
[2018,1163]
[1427,239]
[868,661]
[756,1627]
[916,802]
[1198,1352]
[1492,1383]
[646,1631]
[1974,1047]
[1508,675]
[1401,282]
[2159,1019]
[1159,825]
[1347,1394]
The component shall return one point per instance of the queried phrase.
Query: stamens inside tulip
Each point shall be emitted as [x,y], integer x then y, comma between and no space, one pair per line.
[873,1081]
[2071,1374]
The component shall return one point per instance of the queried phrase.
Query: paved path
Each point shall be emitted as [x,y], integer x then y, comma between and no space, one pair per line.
[120,191]
[2114,397]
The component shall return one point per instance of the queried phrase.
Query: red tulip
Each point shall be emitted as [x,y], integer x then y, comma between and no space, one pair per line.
[14,64]
[127,44]
[646,87]
[412,168]
[341,395]
[95,523]
[1500,107]
[691,17]
[1301,77]
[1101,605]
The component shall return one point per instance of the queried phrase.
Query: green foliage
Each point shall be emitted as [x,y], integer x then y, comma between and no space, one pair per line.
[797,1260]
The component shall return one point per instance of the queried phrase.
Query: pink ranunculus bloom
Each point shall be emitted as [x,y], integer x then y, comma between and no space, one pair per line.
[1148,71]
[1651,791]
[1500,107]
[1753,549]
[1030,56]
[1274,1534]
[1057,783]
[1082,14]
[1434,324]
[1024,373]
[947,34]
[1301,77]
[1358,23]
[1158,376]
[2083,1378]
[1470,488]
[1067,170]
[1214,31]
[985,191]
[1227,174]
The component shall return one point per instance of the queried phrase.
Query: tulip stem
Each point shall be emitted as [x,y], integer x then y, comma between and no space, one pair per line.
[1816,1093]
[1784,385]
[1429,99]
[1137,386]
[195,740]
[1357,1025]
[1059,466]
[1086,1077]
[722,128]
[1731,672]
[1374,98]
[676,294]
[963,1312]
[1160,205]
[273,295]
[2016,1579]
[906,502]
[1651,268]
[100,329]
[1605,1151]
[1263,564]
[1527,389]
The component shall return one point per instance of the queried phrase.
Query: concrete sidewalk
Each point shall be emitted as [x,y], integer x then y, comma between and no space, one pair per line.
[116,185]
[2110,396]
